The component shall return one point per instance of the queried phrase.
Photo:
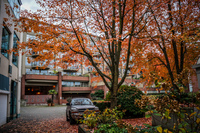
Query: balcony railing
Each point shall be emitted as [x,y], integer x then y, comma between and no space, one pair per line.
[38,65]
[42,73]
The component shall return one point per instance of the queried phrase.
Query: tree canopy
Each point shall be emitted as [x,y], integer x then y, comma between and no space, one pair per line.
[159,37]
[87,31]
[169,43]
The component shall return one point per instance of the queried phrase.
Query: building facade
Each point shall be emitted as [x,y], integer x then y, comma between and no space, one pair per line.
[10,63]
[74,81]
[37,80]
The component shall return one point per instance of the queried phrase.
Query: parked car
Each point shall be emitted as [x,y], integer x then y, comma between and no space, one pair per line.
[76,108]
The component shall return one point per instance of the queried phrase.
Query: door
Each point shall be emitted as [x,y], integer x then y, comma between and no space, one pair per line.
[13,100]
[3,109]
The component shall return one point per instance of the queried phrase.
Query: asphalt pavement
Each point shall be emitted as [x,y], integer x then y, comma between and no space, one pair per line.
[40,119]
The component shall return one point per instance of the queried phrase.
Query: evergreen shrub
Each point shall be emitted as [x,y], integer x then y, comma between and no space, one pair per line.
[126,99]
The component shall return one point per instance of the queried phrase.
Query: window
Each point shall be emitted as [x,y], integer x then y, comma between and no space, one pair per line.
[77,84]
[15,5]
[70,84]
[15,56]
[84,84]
[5,42]
[67,84]
[71,73]
[74,84]
[80,101]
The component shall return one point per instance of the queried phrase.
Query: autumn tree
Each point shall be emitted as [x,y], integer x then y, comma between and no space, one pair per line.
[170,42]
[85,30]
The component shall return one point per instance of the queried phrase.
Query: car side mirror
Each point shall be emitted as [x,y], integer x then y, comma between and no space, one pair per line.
[94,103]
[68,104]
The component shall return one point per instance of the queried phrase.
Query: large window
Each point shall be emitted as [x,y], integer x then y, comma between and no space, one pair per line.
[15,56]
[5,42]
[77,84]
[74,84]
[38,72]
[15,5]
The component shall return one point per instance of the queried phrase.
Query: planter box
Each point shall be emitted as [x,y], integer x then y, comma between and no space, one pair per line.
[169,123]
[23,102]
[81,129]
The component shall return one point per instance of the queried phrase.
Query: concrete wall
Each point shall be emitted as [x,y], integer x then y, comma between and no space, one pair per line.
[5,62]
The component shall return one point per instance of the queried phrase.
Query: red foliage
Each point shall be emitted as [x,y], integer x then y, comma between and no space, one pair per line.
[138,121]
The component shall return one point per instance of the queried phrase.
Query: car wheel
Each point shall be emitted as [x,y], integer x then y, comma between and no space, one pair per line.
[67,118]
[71,120]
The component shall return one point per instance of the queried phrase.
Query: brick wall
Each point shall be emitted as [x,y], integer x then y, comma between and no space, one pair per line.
[194,83]
[37,99]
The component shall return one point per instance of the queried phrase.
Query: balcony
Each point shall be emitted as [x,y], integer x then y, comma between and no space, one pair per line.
[70,70]
[34,55]
[75,78]
[66,59]
[96,54]
[77,89]
[41,77]
[97,62]
[38,65]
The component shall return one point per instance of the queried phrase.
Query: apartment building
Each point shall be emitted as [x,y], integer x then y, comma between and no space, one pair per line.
[37,81]
[10,63]
[74,81]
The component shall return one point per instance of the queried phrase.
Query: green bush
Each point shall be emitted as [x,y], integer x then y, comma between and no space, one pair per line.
[126,98]
[107,96]
[98,95]
[103,121]
[96,98]
[108,128]
[183,97]
[103,105]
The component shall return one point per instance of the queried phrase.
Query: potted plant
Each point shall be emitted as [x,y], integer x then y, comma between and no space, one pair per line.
[69,99]
[52,92]
[49,101]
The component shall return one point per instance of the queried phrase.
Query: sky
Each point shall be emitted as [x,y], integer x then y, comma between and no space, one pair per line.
[29,5]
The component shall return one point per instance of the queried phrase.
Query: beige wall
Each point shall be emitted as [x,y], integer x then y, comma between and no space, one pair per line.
[4,62]
[4,65]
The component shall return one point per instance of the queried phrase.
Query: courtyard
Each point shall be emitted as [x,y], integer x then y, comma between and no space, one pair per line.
[49,119]
[40,119]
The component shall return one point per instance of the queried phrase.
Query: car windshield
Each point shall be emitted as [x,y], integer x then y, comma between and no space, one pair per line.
[81,102]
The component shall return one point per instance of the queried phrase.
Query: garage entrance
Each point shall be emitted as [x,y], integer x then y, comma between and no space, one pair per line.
[3,109]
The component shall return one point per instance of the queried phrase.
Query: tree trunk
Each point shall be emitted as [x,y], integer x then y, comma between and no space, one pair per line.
[114,90]
[113,99]
[52,98]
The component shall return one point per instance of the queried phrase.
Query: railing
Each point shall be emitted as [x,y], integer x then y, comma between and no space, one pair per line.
[41,72]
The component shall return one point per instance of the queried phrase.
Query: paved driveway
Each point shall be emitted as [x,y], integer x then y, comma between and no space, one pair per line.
[40,119]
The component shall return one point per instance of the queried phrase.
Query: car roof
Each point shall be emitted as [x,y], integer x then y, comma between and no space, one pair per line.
[80,98]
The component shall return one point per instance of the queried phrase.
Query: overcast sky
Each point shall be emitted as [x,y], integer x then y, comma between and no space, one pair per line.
[29,5]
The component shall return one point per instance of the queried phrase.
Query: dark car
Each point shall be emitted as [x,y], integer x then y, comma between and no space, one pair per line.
[76,107]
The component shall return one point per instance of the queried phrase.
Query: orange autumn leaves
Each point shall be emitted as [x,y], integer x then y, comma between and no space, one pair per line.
[159,38]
